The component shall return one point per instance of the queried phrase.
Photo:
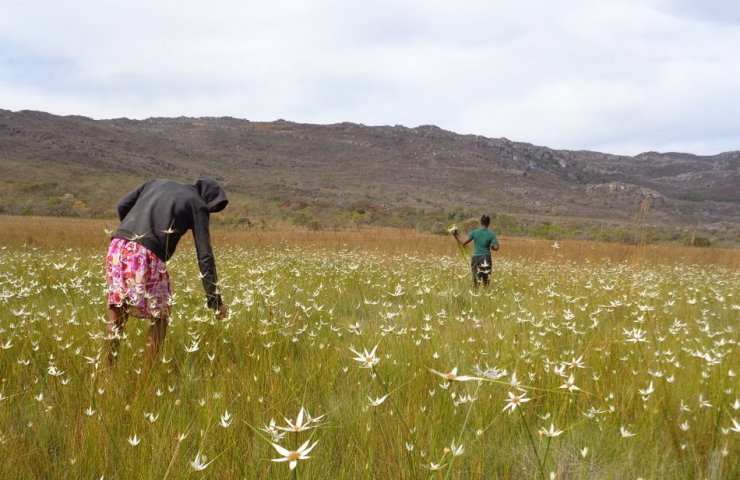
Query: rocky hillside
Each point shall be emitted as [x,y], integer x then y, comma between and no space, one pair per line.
[81,166]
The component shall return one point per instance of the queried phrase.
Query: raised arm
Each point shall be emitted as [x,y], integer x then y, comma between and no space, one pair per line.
[457,237]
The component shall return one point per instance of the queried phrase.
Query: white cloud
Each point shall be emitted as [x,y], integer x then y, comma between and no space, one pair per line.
[622,76]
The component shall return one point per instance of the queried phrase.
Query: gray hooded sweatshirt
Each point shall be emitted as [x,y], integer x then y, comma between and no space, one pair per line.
[158,213]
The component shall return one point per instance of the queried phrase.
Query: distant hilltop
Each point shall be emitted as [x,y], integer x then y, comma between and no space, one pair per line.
[351,167]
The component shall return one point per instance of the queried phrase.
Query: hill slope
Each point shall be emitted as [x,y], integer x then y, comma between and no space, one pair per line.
[76,165]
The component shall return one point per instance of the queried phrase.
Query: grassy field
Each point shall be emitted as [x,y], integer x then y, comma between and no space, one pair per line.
[582,360]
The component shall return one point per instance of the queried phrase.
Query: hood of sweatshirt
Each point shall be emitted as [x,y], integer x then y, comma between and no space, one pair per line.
[212,193]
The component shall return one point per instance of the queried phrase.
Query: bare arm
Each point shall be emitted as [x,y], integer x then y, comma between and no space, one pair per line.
[457,237]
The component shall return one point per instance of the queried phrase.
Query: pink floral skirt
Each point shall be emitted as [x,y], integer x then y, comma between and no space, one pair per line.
[138,278]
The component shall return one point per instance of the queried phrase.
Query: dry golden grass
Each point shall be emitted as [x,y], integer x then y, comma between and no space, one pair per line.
[54,232]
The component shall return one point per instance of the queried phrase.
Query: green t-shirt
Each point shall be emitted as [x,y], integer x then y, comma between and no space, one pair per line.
[482,238]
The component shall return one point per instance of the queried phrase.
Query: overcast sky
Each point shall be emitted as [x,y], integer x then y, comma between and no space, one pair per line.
[619,76]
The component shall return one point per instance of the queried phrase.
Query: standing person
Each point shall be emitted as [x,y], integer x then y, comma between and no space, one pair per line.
[484,241]
[153,219]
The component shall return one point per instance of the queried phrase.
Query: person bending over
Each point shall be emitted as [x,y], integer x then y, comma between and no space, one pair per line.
[153,219]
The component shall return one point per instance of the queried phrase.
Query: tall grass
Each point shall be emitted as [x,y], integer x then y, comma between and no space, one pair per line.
[631,353]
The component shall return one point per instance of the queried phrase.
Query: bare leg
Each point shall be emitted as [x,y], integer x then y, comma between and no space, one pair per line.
[155,337]
[117,317]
